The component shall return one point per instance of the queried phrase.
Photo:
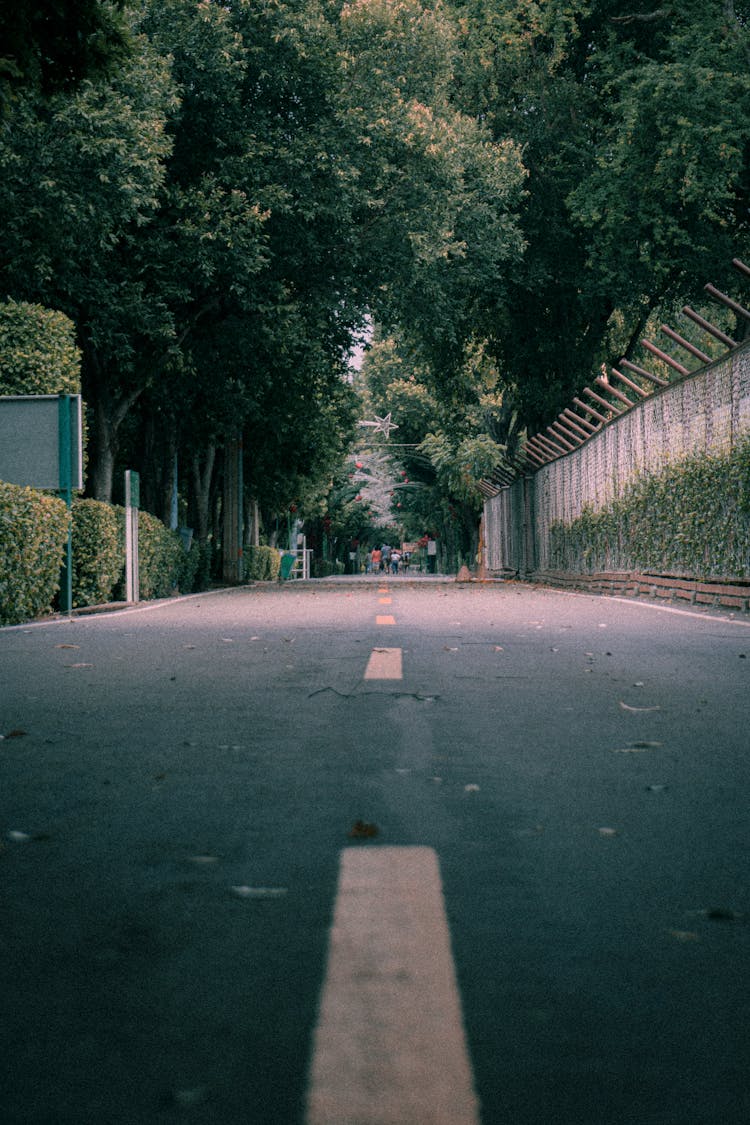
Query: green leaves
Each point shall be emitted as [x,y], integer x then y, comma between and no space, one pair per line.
[635,131]
[33,533]
[38,353]
[692,518]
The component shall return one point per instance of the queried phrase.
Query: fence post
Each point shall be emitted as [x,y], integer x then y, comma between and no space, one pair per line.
[529,539]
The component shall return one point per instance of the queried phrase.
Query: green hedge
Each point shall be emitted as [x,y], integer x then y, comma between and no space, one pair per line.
[263,564]
[323,568]
[33,534]
[38,352]
[98,551]
[99,555]
[692,519]
[161,558]
[33,531]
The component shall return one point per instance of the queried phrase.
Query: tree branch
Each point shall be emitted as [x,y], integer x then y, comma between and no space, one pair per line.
[644,17]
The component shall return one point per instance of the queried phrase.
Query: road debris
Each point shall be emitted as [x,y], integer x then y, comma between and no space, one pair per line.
[361,830]
[259,892]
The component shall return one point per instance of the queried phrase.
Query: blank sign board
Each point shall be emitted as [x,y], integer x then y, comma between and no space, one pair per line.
[41,441]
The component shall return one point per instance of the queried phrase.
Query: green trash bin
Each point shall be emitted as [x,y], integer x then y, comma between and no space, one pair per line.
[288,559]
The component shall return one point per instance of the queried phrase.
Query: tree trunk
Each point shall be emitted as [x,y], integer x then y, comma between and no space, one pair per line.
[252,523]
[159,451]
[202,480]
[109,412]
[102,463]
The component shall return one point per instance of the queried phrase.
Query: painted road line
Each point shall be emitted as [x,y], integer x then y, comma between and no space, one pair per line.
[389,1047]
[385,664]
[385,619]
[385,601]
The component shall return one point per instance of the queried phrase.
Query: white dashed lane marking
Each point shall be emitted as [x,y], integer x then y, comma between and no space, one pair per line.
[389,1047]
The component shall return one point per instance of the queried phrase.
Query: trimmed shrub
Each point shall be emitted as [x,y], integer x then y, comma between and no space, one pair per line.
[204,559]
[161,558]
[323,568]
[187,579]
[98,551]
[38,353]
[33,534]
[264,564]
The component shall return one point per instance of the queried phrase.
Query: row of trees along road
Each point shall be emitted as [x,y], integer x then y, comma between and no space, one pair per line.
[221,195]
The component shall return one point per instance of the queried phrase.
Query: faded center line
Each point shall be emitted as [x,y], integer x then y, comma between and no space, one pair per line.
[385,664]
[389,1047]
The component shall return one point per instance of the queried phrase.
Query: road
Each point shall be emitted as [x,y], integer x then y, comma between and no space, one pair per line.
[526,809]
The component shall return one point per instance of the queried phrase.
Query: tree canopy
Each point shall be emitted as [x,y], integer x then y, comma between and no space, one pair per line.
[635,127]
[222,196]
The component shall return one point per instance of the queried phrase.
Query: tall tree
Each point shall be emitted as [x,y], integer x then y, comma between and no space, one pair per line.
[437,218]
[81,180]
[445,446]
[635,132]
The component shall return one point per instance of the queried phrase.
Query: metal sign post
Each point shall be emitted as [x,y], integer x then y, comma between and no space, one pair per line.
[132,504]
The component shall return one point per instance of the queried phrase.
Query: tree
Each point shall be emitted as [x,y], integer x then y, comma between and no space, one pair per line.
[80,183]
[634,129]
[437,215]
[445,447]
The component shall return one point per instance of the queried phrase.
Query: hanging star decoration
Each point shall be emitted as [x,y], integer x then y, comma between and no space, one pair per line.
[382,425]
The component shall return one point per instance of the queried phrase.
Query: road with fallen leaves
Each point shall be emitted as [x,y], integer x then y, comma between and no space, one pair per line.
[190,790]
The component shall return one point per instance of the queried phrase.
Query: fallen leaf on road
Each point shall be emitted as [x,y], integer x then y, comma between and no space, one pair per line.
[627,707]
[361,830]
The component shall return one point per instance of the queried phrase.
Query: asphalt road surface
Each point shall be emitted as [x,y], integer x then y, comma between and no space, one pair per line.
[376,854]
